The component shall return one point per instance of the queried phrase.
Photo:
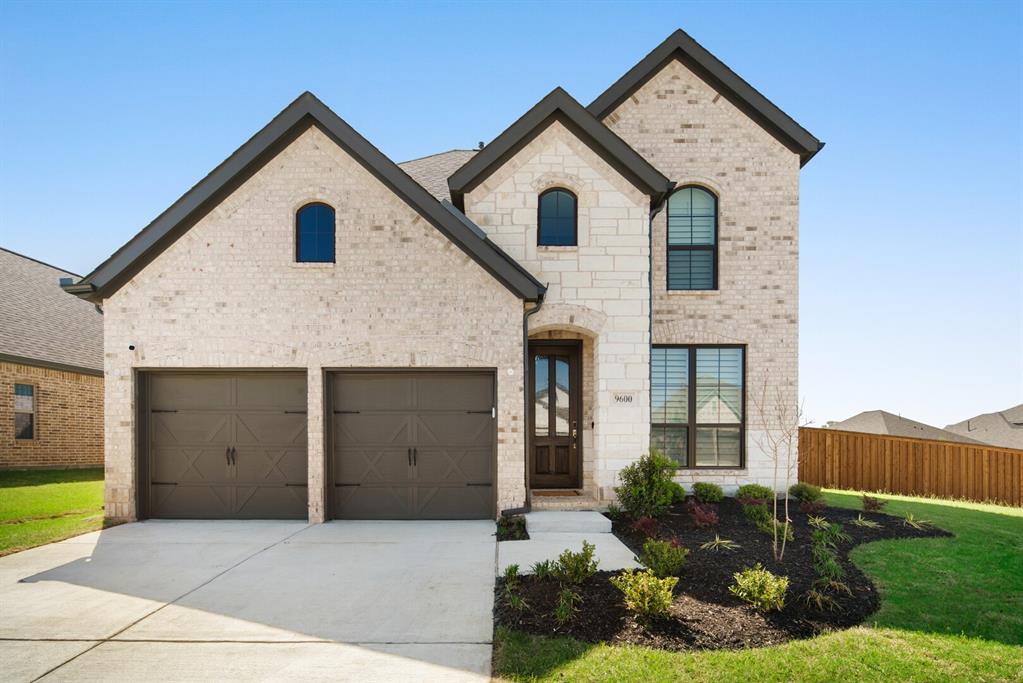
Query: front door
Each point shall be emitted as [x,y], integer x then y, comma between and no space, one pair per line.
[555,429]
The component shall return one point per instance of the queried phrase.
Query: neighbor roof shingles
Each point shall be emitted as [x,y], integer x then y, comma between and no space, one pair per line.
[40,321]
[432,172]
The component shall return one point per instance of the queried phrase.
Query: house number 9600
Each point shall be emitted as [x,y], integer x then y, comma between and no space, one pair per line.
[623,398]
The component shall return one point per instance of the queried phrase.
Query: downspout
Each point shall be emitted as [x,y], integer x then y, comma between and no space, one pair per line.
[525,404]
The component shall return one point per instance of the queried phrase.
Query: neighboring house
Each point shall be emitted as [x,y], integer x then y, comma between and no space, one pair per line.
[51,369]
[1003,428]
[314,331]
[882,422]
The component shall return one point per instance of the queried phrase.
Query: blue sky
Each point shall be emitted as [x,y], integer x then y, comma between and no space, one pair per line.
[911,219]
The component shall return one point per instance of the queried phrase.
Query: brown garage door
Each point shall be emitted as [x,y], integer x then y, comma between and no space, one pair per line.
[413,445]
[225,446]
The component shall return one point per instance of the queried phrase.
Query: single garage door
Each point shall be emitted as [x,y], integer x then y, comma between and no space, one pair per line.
[227,446]
[417,445]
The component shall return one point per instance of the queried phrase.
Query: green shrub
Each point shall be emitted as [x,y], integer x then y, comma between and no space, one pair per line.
[516,602]
[645,594]
[511,577]
[566,607]
[664,558]
[755,492]
[705,492]
[757,514]
[614,511]
[678,492]
[805,493]
[574,568]
[760,588]
[646,489]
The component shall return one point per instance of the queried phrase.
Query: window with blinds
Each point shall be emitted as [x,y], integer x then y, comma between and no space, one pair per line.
[692,239]
[698,404]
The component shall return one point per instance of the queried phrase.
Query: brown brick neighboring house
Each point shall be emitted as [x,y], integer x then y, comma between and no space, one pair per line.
[51,369]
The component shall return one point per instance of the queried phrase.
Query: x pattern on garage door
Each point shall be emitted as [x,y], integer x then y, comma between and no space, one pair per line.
[228,446]
[413,445]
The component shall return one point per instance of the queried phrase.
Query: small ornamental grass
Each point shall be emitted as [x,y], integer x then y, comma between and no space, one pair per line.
[647,489]
[719,544]
[916,522]
[862,521]
[664,558]
[760,588]
[566,608]
[645,594]
[705,492]
[818,522]
[543,570]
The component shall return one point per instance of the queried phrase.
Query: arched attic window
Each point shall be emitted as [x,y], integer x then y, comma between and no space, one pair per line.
[556,221]
[314,234]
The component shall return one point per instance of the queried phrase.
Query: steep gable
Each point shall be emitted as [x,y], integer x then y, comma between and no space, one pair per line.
[681,46]
[301,115]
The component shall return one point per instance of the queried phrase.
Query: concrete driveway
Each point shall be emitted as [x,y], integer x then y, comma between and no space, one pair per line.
[236,600]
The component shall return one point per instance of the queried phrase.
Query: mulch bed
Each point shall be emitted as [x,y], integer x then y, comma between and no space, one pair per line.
[705,615]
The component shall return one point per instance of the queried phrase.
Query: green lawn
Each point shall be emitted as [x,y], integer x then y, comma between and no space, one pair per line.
[952,609]
[42,506]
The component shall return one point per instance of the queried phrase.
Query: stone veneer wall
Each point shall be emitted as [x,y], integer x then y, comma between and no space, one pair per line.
[228,294]
[68,422]
[695,136]
[599,288]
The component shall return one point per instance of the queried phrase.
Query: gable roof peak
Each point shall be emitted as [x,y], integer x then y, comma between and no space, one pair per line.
[680,45]
[559,105]
[304,112]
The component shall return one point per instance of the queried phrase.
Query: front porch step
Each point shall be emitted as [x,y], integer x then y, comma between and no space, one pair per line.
[566,522]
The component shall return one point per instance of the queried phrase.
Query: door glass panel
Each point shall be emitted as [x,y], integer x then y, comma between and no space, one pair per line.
[541,398]
[561,402]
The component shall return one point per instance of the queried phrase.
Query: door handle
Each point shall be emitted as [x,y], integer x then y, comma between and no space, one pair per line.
[415,457]
[410,457]
[227,455]
[234,456]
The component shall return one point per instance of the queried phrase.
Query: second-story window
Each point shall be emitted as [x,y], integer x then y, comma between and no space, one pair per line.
[556,219]
[314,234]
[692,239]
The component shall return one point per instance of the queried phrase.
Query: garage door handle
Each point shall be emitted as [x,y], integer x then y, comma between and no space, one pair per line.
[415,457]
[410,457]
[234,456]
[227,455]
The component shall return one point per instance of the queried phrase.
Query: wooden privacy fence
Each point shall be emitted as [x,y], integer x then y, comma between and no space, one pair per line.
[921,467]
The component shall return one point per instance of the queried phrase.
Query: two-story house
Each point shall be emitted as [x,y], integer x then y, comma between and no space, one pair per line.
[315,331]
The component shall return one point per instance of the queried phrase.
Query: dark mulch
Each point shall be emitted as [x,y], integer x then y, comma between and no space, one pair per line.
[512,529]
[705,615]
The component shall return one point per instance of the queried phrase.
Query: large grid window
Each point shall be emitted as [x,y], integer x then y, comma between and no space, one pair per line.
[697,415]
[692,239]
[314,234]
[24,412]
[556,219]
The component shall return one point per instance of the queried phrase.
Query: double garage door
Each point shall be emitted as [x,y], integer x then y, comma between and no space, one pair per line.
[403,445]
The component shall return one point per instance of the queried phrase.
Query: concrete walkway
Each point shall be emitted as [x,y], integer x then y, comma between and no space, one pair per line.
[552,532]
[187,601]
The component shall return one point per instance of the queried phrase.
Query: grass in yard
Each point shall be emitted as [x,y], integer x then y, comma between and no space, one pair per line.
[42,506]
[952,609]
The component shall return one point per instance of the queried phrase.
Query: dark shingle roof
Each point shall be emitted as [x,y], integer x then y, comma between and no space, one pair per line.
[432,172]
[1004,428]
[41,322]
[883,422]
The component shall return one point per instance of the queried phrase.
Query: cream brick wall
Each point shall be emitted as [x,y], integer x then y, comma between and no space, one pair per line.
[228,294]
[599,288]
[695,136]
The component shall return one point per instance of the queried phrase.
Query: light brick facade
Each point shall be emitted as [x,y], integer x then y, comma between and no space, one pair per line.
[68,418]
[598,290]
[697,137]
[228,294]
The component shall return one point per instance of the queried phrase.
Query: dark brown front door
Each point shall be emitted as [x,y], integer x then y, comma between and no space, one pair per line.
[227,446]
[555,425]
[413,445]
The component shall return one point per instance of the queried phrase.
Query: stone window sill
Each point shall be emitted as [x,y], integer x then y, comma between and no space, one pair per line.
[693,292]
[312,266]
[552,247]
